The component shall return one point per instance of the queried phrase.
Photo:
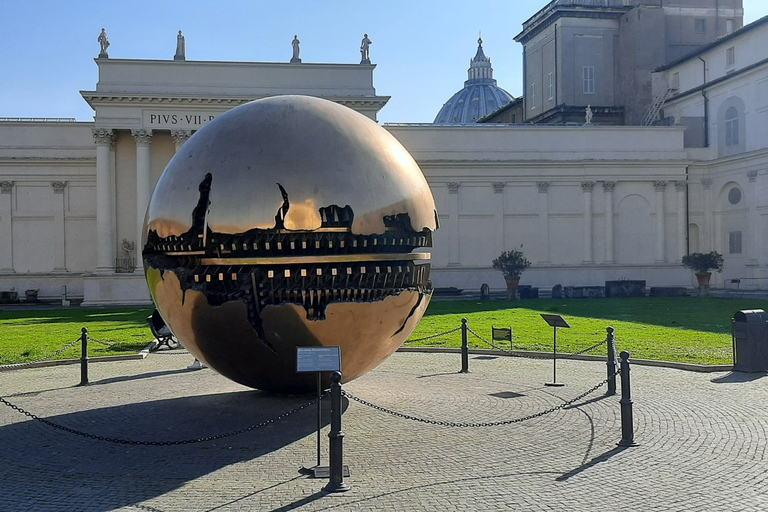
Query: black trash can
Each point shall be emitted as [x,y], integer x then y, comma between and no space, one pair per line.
[750,341]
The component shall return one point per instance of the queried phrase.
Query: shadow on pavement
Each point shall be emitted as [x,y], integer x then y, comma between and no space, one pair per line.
[48,469]
[739,377]
[600,458]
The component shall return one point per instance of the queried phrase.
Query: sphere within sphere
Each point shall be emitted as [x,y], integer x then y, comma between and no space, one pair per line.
[290,222]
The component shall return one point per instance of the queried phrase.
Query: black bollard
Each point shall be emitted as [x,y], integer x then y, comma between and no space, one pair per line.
[336,436]
[627,424]
[84,358]
[464,347]
[611,362]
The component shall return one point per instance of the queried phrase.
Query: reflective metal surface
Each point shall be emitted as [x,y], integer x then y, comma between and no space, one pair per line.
[290,222]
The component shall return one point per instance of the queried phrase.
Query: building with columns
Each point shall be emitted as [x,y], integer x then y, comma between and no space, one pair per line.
[587,202]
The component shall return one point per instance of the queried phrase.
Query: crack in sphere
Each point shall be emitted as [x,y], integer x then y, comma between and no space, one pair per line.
[290,222]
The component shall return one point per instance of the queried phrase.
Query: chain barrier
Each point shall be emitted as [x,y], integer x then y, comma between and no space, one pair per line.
[593,347]
[28,363]
[488,342]
[478,425]
[157,443]
[434,336]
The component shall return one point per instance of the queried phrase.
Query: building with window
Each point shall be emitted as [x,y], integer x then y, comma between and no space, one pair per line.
[719,93]
[600,53]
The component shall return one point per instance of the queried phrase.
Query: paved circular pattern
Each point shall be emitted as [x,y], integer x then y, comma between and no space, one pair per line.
[702,440]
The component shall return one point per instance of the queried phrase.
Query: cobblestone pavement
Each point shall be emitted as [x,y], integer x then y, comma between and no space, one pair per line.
[702,440]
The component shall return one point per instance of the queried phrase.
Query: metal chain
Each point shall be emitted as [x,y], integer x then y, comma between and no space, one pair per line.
[477,425]
[28,363]
[593,347]
[435,335]
[155,443]
[486,341]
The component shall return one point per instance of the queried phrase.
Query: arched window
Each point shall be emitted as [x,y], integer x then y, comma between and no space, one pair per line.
[731,127]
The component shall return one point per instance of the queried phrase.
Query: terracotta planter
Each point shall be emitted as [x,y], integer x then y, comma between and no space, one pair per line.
[512,283]
[703,279]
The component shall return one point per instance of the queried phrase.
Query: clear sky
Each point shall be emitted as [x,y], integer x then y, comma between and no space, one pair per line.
[422,47]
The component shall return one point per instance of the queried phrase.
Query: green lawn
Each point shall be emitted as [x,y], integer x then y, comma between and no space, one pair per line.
[31,335]
[696,330]
[693,330]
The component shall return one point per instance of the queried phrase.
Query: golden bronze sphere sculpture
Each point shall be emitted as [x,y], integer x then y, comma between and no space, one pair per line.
[290,222]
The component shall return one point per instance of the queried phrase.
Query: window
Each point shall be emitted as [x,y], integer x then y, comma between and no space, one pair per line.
[533,95]
[551,86]
[588,74]
[731,127]
[730,56]
[701,26]
[674,82]
[734,242]
[734,196]
[728,26]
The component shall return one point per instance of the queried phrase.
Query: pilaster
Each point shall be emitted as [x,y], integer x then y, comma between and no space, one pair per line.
[660,187]
[608,187]
[105,205]
[6,226]
[143,140]
[543,188]
[180,137]
[498,207]
[58,239]
[453,223]
[682,224]
[587,187]
[753,233]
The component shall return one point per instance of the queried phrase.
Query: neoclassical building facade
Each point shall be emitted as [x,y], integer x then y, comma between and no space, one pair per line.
[587,203]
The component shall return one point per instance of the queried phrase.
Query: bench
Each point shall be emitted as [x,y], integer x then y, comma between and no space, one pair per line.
[160,331]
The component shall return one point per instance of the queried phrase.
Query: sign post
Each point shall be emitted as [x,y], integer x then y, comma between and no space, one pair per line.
[318,360]
[555,321]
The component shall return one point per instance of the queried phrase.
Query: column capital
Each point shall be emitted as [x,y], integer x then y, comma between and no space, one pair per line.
[752,175]
[453,187]
[706,182]
[58,186]
[608,186]
[498,187]
[6,186]
[180,136]
[659,185]
[103,137]
[587,186]
[681,185]
[142,137]
[543,186]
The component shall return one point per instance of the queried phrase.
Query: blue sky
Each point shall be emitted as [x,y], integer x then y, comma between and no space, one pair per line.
[422,47]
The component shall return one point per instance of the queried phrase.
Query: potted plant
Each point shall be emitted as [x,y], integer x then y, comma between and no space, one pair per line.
[703,264]
[511,263]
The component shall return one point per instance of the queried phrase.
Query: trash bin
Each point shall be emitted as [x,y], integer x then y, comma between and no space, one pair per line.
[750,341]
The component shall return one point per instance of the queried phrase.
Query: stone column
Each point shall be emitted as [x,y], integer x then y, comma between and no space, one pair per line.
[682,222]
[659,187]
[543,235]
[58,242]
[608,187]
[586,188]
[143,184]
[453,224]
[105,208]
[180,137]
[753,233]
[6,227]
[498,215]
[707,240]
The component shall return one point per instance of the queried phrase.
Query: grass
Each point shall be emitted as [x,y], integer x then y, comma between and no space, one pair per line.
[31,335]
[693,330]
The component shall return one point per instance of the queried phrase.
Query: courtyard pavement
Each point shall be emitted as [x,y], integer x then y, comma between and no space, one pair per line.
[702,440]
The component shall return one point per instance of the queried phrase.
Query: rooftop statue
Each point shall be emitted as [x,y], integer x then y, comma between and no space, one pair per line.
[365,51]
[181,47]
[104,44]
[296,49]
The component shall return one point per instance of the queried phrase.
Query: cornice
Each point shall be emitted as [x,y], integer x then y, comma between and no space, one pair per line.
[100,98]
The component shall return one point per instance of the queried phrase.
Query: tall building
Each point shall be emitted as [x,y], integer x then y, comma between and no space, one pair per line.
[600,53]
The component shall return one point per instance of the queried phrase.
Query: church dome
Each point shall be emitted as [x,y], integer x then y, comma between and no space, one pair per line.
[479,97]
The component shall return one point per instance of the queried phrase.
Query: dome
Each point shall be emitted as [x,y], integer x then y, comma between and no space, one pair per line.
[479,97]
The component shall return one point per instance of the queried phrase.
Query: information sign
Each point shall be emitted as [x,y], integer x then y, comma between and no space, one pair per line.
[318,359]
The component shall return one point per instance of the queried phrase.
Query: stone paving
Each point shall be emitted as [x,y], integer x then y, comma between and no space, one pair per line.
[702,440]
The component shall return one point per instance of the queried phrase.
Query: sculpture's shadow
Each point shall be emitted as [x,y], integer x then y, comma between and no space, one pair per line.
[45,468]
